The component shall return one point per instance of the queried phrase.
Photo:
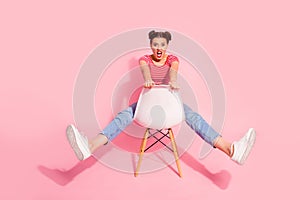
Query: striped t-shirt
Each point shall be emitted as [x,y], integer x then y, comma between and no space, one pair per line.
[160,74]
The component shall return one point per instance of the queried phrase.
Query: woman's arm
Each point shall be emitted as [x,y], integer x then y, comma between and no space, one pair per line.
[173,75]
[146,74]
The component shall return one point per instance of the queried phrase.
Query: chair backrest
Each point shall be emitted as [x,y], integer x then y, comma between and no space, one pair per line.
[159,108]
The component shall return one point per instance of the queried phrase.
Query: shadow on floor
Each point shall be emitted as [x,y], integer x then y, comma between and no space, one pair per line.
[63,177]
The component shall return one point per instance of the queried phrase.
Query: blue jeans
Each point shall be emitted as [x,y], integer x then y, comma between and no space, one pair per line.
[193,119]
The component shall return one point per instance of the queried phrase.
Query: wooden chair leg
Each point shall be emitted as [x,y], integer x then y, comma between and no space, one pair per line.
[175,151]
[142,151]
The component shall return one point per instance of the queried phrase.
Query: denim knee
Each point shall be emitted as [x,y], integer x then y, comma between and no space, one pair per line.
[200,126]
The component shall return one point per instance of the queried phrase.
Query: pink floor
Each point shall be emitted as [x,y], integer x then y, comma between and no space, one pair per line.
[255,46]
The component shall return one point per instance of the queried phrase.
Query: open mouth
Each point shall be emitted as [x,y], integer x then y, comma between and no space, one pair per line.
[159,53]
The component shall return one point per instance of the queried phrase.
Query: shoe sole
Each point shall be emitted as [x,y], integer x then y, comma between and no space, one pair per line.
[72,140]
[251,136]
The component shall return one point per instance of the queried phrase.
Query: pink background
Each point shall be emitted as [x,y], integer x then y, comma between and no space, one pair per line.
[254,45]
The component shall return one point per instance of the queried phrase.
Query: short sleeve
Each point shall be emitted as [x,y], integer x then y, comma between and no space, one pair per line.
[145,58]
[172,58]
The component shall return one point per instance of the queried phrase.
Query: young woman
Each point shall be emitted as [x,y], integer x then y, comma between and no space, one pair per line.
[161,68]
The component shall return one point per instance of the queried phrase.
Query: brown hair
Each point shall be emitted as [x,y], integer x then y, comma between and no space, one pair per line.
[154,34]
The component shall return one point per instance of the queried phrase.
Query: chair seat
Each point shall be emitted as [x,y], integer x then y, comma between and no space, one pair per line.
[159,108]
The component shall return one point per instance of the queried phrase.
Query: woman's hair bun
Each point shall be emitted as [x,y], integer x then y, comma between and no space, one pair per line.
[168,35]
[152,34]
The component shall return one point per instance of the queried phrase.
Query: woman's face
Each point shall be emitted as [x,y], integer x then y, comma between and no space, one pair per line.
[159,46]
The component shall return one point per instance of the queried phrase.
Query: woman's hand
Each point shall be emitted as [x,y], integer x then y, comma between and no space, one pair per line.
[149,84]
[174,85]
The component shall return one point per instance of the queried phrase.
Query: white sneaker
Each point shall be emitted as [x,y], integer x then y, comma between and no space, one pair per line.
[78,142]
[243,147]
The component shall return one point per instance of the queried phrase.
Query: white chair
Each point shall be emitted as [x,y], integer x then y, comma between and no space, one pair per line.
[159,109]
